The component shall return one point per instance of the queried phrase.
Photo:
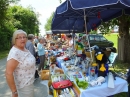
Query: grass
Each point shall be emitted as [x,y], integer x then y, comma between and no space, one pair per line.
[120,67]
[123,94]
[112,37]
[3,54]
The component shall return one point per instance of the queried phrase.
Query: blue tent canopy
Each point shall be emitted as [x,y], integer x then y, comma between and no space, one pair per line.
[72,14]
[81,4]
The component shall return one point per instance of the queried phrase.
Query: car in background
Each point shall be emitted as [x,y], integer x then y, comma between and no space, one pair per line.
[99,40]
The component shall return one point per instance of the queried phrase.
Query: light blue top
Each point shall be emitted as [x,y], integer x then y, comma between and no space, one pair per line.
[41,49]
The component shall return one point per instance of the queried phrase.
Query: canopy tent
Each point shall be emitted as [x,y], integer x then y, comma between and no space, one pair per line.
[86,15]
[49,32]
[73,14]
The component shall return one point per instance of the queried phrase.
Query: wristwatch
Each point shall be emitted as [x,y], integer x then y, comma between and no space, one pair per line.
[15,92]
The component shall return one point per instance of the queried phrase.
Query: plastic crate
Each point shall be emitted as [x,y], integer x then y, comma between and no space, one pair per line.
[57,75]
[74,87]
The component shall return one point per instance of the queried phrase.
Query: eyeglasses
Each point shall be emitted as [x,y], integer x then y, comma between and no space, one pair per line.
[20,38]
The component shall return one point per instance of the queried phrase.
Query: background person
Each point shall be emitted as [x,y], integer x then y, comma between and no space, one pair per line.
[33,50]
[29,45]
[69,41]
[41,53]
[36,40]
[20,67]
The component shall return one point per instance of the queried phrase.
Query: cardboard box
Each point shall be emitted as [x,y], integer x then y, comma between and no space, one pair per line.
[88,54]
[44,74]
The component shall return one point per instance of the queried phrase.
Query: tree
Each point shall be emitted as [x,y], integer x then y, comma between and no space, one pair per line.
[49,21]
[25,18]
[60,1]
[124,36]
[4,4]
[17,17]
[6,27]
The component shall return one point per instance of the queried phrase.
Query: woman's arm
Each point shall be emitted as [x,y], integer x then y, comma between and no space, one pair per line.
[10,67]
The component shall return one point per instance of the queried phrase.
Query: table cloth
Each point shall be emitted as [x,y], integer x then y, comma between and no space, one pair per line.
[100,91]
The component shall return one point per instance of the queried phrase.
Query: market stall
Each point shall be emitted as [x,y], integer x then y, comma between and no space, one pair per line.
[85,72]
[73,70]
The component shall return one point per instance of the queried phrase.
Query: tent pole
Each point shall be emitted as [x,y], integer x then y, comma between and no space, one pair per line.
[87,35]
[73,38]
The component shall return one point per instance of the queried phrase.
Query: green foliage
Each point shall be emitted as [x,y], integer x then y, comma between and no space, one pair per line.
[49,21]
[93,32]
[60,1]
[3,8]
[4,4]
[81,84]
[6,26]
[25,18]
[3,54]
[15,17]
[105,27]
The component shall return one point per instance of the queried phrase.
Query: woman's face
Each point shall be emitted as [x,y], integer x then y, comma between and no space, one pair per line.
[69,38]
[20,40]
[41,40]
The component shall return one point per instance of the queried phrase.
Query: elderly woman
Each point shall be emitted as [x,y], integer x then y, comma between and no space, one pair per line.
[20,67]
[41,53]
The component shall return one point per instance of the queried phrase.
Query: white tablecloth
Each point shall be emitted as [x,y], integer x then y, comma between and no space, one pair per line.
[103,91]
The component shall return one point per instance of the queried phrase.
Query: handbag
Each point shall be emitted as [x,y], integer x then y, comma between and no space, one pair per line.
[36,74]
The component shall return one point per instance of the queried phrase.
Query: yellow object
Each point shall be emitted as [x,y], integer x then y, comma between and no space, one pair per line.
[77,47]
[99,57]
[102,68]
[94,64]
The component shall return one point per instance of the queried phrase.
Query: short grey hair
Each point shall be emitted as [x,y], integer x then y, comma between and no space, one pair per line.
[30,36]
[16,33]
[40,38]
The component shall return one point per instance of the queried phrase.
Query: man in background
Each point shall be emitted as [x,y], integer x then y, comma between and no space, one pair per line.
[29,45]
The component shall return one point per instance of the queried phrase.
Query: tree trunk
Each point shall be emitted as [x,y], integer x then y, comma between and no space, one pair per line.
[120,49]
[124,42]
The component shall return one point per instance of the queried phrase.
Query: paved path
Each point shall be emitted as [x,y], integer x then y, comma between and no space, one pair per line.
[40,89]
